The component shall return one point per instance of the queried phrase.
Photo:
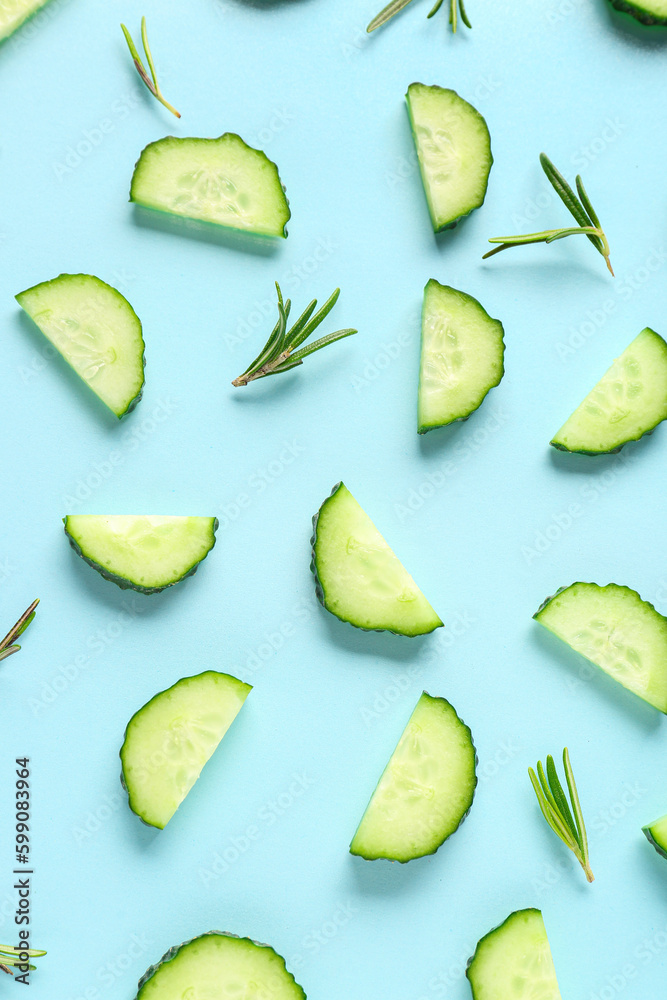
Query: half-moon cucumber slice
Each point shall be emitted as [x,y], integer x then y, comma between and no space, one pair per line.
[426,789]
[462,350]
[615,629]
[656,834]
[142,552]
[513,961]
[223,181]
[647,11]
[14,12]
[168,741]
[357,576]
[630,400]
[454,152]
[97,332]
[220,966]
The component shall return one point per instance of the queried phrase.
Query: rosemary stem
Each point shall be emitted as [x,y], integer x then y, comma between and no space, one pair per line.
[170,107]
[264,370]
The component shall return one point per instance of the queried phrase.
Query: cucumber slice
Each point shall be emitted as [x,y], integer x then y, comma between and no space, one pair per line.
[462,351]
[612,627]
[454,151]
[97,332]
[426,790]
[223,181]
[357,576]
[647,11]
[141,552]
[168,741]
[14,12]
[217,966]
[513,961]
[628,402]
[656,834]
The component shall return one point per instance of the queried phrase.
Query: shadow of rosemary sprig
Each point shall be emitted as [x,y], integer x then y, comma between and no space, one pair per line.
[456,10]
[7,646]
[9,957]
[280,352]
[556,810]
[150,81]
[579,207]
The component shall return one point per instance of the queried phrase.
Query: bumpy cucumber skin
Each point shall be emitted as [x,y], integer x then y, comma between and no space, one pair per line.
[122,768]
[173,952]
[646,830]
[122,581]
[319,589]
[584,583]
[513,914]
[603,451]
[43,284]
[465,815]
[639,12]
[454,222]
[233,135]
[7,33]
[425,428]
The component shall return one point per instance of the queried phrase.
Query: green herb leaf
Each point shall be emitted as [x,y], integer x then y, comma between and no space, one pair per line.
[280,353]
[312,325]
[456,8]
[9,957]
[556,809]
[559,796]
[150,81]
[550,814]
[580,208]
[7,646]
[322,342]
[387,13]
[564,191]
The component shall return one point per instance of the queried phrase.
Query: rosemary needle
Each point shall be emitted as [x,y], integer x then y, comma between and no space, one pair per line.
[566,822]
[7,645]
[280,352]
[150,81]
[580,207]
[456,10]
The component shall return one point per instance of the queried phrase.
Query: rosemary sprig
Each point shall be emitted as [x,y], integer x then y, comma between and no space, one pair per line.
[456,10]
[567,823]
[7,646]
[9,956]
[280,353]
[150,81]
[579,206]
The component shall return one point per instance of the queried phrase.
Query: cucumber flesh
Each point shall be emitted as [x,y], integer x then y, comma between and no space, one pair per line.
[222,181]
[513,961]
[142,552]
[217,966]
[615,629]
[454,152]
[14,12]
[649,12]
[168,741]
[656,834]
[357,576]
[462,351]
[426,789]
[628,402]
[97,332]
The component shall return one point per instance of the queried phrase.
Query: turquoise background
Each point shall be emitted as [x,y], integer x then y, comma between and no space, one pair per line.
[485,515]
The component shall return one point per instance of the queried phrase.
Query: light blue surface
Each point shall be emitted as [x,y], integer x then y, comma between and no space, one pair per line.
[303,81]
